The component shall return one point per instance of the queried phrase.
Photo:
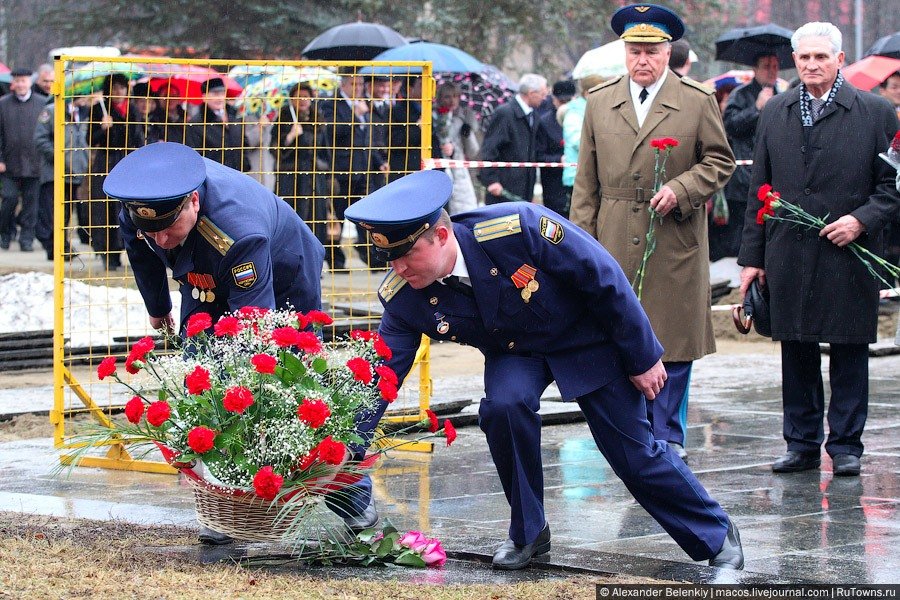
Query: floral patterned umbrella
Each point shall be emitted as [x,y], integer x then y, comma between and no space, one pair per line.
[267,95]
[482,92]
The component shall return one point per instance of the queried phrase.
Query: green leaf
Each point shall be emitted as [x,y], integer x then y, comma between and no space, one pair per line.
[320,365]
[384,548]
[410,559]
[293,364]
[283,375]
[161,394]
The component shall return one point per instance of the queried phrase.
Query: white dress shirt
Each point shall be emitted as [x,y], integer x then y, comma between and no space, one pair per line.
[642,109]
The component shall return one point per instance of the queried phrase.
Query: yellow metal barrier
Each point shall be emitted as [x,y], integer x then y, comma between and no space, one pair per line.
[295,146]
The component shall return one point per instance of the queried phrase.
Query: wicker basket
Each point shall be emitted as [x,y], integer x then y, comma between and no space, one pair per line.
[244,516]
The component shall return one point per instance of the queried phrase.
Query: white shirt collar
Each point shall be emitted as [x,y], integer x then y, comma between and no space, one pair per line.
[459,267]
[25,97]
[642,109]
[525,108]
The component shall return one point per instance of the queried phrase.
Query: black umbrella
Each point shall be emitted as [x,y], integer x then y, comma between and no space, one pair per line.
[744,44]
[353,41]
[889,45]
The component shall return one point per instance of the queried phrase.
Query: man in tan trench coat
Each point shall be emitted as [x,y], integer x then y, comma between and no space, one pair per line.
[614,190]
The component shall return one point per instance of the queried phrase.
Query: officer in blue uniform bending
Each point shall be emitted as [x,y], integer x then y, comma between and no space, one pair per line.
[543,301]
[229,241]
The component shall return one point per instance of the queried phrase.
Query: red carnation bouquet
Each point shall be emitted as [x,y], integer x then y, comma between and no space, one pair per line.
[662,147]
[258,406]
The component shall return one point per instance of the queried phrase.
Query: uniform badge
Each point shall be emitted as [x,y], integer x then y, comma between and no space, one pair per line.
[552,231]
[244,275]
[524,280]
[203,285]
[442,325]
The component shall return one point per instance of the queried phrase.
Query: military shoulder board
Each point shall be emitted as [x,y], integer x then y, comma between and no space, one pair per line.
[497,228]
[390,285]
[217,238]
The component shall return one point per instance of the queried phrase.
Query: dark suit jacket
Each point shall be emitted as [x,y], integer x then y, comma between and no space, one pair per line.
[351,139]
[509,138]
[224,143]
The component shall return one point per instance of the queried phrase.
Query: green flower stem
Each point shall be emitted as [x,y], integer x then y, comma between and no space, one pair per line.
[659,175]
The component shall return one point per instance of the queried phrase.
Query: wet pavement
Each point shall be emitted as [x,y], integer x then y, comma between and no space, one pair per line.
[801,527]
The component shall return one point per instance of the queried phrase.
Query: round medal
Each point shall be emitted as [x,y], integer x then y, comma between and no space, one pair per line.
[195,293]
[443,327]
[202,296]
[533,286]
[526,294]
[210,296]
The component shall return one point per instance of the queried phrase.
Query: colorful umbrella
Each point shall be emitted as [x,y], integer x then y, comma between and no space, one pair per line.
[444,59]
[353,41]
[606,61]
[267,95]
[88,78]
[482,92]
[871,71]
[188,79]
[4,68]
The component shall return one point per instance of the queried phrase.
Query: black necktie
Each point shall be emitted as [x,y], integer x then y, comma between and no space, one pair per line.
[454,283]
[643,95]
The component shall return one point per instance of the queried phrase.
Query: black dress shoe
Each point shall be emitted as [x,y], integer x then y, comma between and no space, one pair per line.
[367,520]
[793,462]
[731,556]
[679,450]
[211,537]
[511,556]
[845,465]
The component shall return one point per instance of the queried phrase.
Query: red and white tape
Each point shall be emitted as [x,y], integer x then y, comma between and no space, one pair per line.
[447,163]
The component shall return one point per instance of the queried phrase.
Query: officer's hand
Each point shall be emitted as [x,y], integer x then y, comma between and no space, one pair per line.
[2,167]
[664,201]
[650,382]
[495,189]
[748,274]
[165,324]
[843,231]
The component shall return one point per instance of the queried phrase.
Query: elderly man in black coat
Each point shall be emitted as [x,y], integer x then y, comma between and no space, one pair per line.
[511,136]
[818,146]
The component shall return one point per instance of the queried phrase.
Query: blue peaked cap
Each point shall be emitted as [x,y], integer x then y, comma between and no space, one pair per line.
[398,213]
[647,23]
[153,181]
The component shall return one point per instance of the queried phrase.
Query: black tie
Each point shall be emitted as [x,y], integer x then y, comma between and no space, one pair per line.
[454,283]
[643,95]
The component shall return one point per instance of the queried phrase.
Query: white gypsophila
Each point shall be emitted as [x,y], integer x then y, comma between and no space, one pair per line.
[169,371]
[279,443]
[230,473]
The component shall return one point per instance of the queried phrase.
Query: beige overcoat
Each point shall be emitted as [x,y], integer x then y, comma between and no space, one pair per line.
[613,187]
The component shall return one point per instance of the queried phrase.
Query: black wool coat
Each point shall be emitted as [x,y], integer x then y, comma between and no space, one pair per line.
[819,291]
[509,138]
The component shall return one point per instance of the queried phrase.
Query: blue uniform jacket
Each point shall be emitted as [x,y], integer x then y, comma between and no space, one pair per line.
[584,317]
[249,248]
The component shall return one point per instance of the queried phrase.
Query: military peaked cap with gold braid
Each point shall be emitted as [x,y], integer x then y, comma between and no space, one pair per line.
[397,214]
[647,23]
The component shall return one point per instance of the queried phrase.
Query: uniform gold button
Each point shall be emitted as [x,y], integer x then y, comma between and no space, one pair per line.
[511,345]
[433,300]
[635,241]
[453,338]
[494,271]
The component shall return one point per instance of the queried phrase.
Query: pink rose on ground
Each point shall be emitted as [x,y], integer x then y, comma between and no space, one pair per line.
[414,540]
[433,554]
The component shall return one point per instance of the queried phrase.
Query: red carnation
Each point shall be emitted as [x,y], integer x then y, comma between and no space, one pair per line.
[158,413]
[449,431]
[264,363]
[106,367]
[763,192]
[130,366]
[895,143]
[362,370]
[198,323]
[382,349]
[313,412]
[143,347]
[658,144]
[266,483]
[331,451]
[250,313]
[670,142]
[362,334]
[762,213]
[309,342]
[388,374]
[317,317]
[237,399]
[134,410]
[302,321]
[434,425]
[285,337]
[443,110]
[388,390]
[197,381]
[201,439]
[228,326]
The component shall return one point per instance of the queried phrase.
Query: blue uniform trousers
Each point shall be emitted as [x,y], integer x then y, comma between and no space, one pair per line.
[803,397]
[617,417]
[668,411]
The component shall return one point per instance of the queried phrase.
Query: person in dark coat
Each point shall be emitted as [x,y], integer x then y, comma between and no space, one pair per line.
[347,122]
[111,137]
[301,158]
[543,301]
[170,114]
[405,133]
[818,145]
[740,117]
[214,131]
[550,146]
[511,136]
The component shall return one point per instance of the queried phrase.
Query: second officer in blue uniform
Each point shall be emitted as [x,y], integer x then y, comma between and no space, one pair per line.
[229,242]
[544,302]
